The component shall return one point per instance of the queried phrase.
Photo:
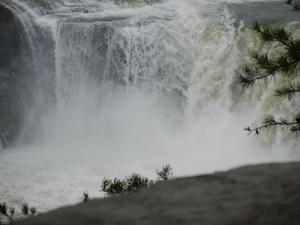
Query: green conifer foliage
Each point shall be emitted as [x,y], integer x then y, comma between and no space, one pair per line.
[286,63]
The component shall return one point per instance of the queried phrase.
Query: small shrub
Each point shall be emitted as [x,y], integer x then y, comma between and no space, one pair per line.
[115,186]
[86,197]
[6,212]
[134,182]
[118,186]
[25,209]
[165,173]
[9,213]
[33,211]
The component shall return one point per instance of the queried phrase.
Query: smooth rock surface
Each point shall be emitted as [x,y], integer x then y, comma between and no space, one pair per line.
[262,194]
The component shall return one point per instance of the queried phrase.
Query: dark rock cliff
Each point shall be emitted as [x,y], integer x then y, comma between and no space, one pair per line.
[10,58]
[22,76]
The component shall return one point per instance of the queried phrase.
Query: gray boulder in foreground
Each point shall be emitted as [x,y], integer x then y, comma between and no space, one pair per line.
[262,194]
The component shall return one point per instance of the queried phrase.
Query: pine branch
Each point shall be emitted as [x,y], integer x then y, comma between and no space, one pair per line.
[250,76]
[288,91]
[264,67]
[283,63]
[279,34]
[270,33]
[269,122]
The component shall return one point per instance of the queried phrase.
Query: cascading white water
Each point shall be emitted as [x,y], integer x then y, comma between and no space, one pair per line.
[137,88]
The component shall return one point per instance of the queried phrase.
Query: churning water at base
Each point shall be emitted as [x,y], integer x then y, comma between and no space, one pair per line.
[136,88]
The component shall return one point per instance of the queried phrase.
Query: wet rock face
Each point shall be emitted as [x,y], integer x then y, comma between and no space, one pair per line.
[9,43]
[9,111]
[9,57]
[11,77]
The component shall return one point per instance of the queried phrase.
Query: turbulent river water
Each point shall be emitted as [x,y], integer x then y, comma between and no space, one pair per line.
[117,88]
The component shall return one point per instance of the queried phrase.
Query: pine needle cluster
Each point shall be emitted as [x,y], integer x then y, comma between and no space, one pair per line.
[287,64]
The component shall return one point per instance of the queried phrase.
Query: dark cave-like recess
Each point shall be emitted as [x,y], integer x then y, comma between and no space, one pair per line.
[10,67]
[9,43]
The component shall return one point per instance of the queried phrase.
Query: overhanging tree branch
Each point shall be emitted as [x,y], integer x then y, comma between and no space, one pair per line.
[250,76]
[288,91]
[293,126]
[270,33]
[286,64]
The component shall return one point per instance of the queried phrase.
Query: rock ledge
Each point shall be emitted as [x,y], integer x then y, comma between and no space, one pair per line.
[262,194]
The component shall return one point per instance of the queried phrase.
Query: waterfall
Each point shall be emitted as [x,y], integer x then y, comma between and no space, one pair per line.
[110,87]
